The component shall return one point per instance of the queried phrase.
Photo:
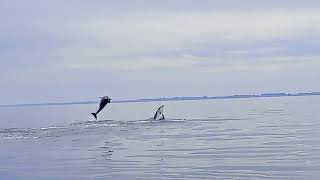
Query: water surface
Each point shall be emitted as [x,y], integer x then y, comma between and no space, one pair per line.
[262,138]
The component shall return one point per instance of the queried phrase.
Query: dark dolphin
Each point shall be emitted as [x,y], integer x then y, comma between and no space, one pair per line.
[159,114]
[103,102]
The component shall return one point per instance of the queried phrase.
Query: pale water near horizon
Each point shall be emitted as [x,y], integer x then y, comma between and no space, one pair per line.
[262,138]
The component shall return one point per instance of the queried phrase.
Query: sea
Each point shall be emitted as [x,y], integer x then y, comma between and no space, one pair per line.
[255,138]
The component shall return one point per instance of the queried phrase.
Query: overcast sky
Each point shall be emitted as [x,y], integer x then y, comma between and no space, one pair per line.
[52,51]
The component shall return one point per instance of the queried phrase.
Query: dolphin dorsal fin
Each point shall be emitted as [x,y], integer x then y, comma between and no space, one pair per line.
[159,114]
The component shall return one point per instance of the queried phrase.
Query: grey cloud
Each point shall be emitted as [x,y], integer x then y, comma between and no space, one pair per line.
[50,48]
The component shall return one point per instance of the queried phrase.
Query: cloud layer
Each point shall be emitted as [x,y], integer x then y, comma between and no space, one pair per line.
[49,50]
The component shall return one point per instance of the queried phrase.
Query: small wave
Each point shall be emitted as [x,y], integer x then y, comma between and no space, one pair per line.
[50,128]
[113,123]
[25,133]
[15,130]
[95,123]
[17,133]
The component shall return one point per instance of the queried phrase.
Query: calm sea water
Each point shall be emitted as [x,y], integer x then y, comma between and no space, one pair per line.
[263,138]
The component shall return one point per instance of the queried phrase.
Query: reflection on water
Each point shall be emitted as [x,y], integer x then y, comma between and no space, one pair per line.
[274,138]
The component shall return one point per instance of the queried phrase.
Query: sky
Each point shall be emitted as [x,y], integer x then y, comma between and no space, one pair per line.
[75,50]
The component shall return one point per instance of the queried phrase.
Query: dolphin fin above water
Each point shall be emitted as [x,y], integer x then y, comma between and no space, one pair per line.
[103,102]
[159,114]
[94,115]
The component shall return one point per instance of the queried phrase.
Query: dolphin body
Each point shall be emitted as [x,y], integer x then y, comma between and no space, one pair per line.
[103,102]
[159,114]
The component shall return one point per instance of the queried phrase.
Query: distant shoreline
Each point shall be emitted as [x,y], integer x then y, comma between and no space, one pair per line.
[264,95]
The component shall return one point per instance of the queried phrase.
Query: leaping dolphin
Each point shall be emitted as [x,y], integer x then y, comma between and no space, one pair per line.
[103,102]
[159,114]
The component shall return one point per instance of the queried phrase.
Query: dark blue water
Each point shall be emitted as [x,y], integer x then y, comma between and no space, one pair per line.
[263,138]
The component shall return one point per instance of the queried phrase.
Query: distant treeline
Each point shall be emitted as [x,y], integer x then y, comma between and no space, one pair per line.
[174,99]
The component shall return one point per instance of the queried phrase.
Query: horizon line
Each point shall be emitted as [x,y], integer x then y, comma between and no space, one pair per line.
[181,98]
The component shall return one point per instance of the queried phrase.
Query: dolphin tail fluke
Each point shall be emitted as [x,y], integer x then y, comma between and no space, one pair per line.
[94,115]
